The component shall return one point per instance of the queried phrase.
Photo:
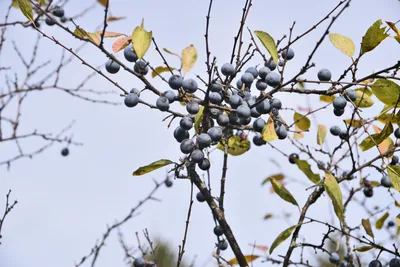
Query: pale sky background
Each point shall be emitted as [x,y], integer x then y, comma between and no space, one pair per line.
[65,203]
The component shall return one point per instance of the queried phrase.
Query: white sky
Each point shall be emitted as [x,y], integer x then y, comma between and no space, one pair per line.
[65,203]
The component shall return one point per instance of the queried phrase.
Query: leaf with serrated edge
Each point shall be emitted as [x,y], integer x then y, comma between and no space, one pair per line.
[283,192]
[379,223]
[333,189]
[269,43]
[281,237]
[373,37]
[249,258]
[343,43]
[141,40]
[321,134]
[367,227]
[152,166]
[306,169]
[189,57]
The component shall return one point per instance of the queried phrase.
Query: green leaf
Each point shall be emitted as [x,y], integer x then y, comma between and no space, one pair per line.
[363,248]
[355,123]
[343,43]
[236,146]
[269,43]
[376,139]
[333,189]
[386,91]
[141,40]
[363,98]
[283,192]
[281,237]
[321,134]
[189,57]
[379,223]
[394,175]
[306,169]
[276,177]
[160,70]
[268,133]
[26,9]
[152,166]
[198,119]
[302,121]
[367,227]
[373,37]
[249,258]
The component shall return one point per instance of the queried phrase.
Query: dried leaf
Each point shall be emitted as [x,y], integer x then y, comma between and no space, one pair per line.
[189,57]
[120,44]
[321,134]
[367,227]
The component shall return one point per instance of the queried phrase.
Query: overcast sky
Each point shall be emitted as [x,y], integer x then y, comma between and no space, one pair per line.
[65,203]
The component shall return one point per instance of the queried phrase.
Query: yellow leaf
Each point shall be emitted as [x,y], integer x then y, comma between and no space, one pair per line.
[367,227]
[189,57]
[394,175]
[152,166]
[276,177]
[26,9]
[283,192]
[269,43]
[301,121]
[343,43]
[393,27]
[376,139]
[120,44]
[355,123]
[373,37]
[141,41]
[160,70]
[363,248]
[398,220]
[333,189]
[268,133]
[327,98]
[236,146]
[281,237]
[386,91]
[298,133]
[379,223]
[364,99]
[321,134]
[249,258]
